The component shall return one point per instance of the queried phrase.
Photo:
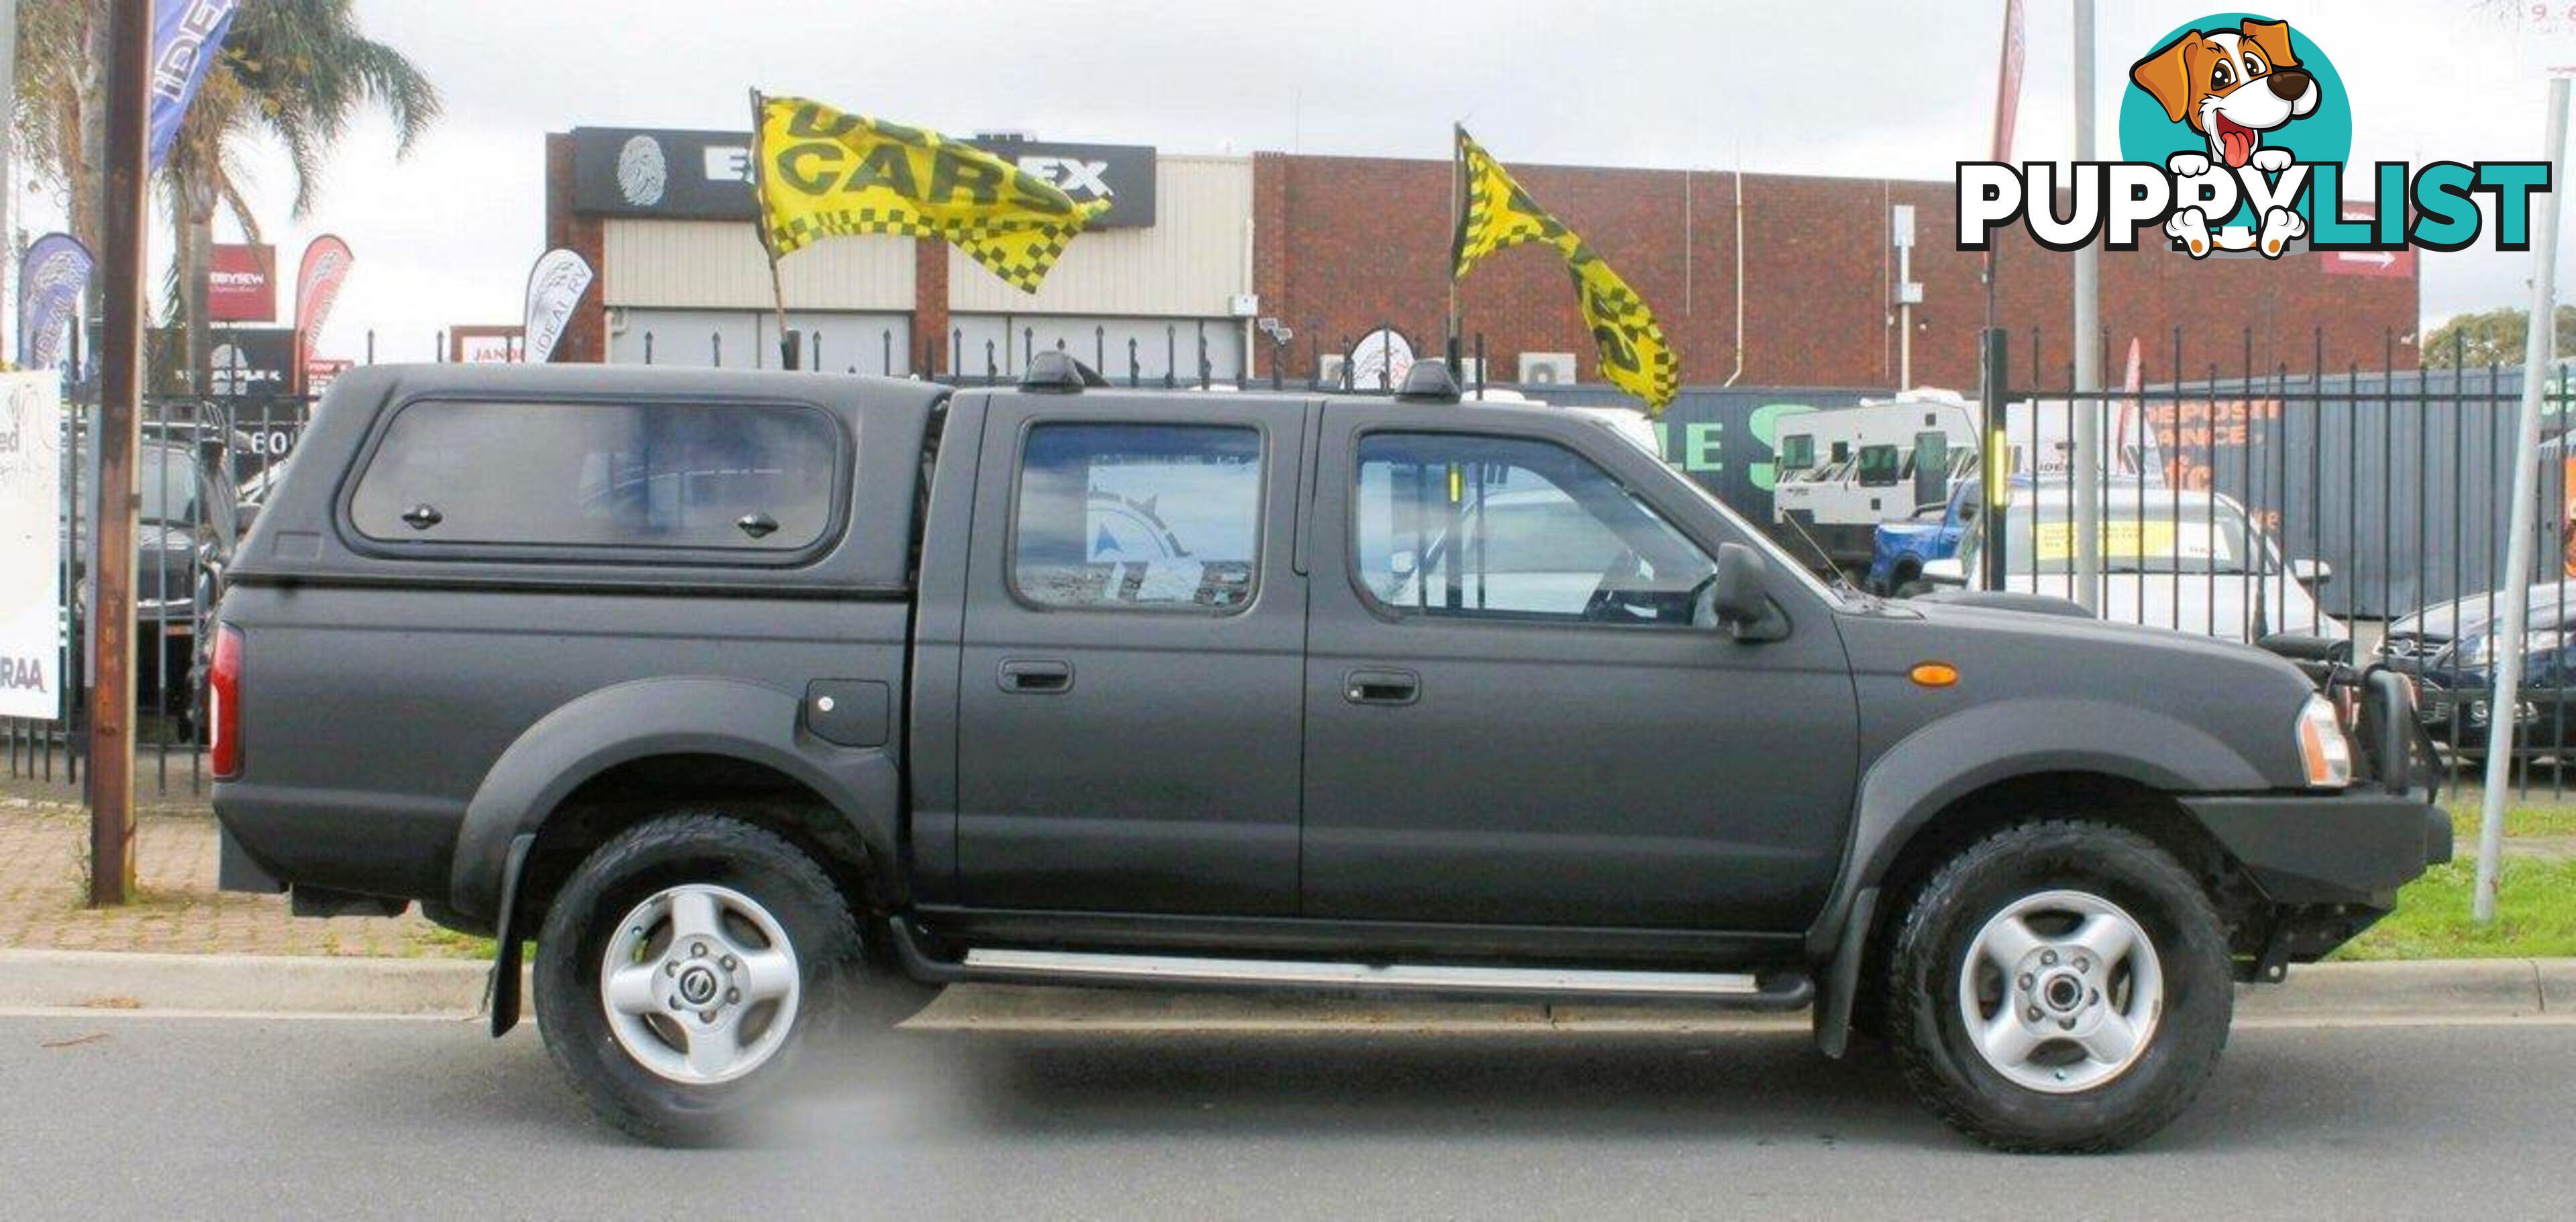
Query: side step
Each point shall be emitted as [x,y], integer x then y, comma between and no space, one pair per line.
[1787,990]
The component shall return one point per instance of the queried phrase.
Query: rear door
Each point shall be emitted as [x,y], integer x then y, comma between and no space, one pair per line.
[1128,731]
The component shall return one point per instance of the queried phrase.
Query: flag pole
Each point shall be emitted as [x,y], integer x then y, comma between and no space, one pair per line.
[1458,220]
[787,345]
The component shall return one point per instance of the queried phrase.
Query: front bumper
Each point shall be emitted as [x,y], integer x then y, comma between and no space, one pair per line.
[2352,848]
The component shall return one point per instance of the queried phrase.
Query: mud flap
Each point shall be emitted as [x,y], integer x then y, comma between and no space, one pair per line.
[1833,1012]
[501,993]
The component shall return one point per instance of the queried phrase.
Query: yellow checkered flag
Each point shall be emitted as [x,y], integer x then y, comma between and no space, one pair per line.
[825,173]
[1494,213]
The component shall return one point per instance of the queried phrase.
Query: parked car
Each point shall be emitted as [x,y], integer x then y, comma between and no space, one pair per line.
[2457,680]
[2189,561]
[1899,550]
[187,524]
[2428,631]
[741,691]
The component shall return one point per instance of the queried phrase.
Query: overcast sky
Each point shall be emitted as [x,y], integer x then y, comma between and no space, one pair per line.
[1894,88]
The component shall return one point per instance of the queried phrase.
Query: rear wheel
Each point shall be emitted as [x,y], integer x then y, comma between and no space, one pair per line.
[683,966]
[2060,986]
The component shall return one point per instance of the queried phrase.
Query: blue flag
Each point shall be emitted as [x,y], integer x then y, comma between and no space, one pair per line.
[186,37]
[50,280]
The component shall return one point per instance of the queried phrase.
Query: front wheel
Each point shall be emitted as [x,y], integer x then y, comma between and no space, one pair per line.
[682,967]
[2060,986]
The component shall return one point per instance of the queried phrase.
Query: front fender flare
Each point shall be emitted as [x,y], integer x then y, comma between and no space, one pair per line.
[1959,754]
[1913,781]
[668,716]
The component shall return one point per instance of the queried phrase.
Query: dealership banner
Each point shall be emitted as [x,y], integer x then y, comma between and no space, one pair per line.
[31,572]
[186,37]
[241,284]
[2008,81]
[317,285]
[555,286]
[706,176]
[50,281]
[824,173]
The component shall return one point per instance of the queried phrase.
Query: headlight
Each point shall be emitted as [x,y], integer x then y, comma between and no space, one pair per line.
[2324,752]
[2479,653]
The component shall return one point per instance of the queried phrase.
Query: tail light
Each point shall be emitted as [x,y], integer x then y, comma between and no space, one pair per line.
[223,704]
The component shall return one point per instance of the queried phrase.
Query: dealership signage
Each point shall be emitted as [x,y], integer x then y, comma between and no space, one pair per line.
[483,344]
[31,574]
[254,360]
[239,284]
[702,175]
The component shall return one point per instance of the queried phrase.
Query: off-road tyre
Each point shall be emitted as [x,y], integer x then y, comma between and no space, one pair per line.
[687,848]
[1928,949]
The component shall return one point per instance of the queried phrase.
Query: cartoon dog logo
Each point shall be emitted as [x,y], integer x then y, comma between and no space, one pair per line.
[2231,86]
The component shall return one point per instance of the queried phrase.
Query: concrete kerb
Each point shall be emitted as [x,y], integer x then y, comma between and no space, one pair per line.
[2439,991]
[240,984]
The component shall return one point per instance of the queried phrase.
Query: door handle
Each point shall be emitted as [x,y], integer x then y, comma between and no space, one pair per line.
[1039,676]
[1381,687]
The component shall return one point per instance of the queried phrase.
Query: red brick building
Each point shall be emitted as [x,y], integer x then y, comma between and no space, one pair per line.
[1348,242]
[1333,247]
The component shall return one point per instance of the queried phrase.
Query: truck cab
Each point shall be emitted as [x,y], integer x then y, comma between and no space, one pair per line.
[737,691]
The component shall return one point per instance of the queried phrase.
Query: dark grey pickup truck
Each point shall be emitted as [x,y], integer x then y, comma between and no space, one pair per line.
[742,694]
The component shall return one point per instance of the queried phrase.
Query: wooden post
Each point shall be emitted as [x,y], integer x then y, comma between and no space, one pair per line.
[112,500]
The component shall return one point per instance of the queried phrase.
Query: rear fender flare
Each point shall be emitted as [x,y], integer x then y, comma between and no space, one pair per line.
[673,716]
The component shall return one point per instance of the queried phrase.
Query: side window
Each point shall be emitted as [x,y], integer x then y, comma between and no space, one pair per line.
[1797,452]
[1138,517]
[1879,466]
[734,477]
[1450,524]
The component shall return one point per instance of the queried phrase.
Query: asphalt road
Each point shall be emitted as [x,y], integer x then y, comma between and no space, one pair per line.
[229,1118]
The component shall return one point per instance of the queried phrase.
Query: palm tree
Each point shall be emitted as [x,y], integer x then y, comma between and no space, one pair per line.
[59,114]
[296,70]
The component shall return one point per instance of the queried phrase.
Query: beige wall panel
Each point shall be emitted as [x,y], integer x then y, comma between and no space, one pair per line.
[718,265]
[1188,264]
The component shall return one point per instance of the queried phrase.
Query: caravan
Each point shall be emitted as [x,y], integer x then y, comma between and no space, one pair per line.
[1845,470]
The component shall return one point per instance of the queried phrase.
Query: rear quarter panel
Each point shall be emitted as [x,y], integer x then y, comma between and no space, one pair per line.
[372,716]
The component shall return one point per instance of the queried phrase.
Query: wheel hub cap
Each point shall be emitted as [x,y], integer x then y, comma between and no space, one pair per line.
[700,985]
[2061,991]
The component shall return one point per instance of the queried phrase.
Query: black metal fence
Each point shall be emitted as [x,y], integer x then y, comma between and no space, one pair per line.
[1185,357]
[2377,503]
[199,460]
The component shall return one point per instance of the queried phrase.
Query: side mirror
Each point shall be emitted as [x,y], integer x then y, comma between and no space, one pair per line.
[2311,572]
[1737,597]
[1946,571]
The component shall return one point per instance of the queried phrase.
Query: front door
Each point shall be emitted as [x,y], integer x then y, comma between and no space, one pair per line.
[1128,705]
[1510,717]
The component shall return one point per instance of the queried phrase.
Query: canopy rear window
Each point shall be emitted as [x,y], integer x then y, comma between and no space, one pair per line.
[744,478]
